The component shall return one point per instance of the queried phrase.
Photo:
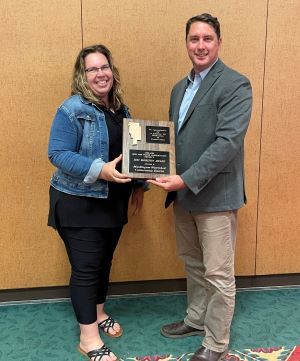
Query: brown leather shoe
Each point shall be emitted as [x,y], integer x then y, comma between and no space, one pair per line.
[179,329]
[204,354]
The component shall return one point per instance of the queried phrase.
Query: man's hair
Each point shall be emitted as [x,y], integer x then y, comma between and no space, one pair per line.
[79,81]
[204,18]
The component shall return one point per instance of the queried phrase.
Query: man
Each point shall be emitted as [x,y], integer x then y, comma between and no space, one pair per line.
[211,110]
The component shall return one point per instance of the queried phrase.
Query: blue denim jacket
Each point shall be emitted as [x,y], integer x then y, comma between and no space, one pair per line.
[78,147]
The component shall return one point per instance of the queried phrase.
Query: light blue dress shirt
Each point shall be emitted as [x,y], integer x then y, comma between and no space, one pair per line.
[188,97]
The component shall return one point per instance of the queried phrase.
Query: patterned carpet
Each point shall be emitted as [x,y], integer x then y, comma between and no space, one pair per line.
[48,330]
[255,354]
[266,354]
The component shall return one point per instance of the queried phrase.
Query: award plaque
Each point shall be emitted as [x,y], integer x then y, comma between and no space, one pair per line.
[148,148]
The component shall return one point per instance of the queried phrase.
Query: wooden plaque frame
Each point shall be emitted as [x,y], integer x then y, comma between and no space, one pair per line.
[148,148]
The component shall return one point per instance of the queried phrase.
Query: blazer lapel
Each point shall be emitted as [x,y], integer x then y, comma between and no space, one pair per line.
[178,100]
[206,84]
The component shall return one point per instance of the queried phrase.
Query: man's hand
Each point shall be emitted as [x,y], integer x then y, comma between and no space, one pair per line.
[109,172]
[137,199]
[170,183]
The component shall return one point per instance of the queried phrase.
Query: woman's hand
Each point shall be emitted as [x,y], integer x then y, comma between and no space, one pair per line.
[109,172]
[137,199]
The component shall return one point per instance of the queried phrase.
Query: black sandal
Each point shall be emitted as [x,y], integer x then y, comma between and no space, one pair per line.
[95,355]
[109,323]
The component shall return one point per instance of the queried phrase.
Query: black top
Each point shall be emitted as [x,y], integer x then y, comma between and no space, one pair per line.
[68,210]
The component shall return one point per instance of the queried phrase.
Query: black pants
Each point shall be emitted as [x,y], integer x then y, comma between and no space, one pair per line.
[90,252]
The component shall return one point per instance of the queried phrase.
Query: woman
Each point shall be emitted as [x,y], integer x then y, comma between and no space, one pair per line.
[88,194]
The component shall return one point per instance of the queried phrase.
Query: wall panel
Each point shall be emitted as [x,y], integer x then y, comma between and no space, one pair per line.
[147,40]
[39,41]
[278,246]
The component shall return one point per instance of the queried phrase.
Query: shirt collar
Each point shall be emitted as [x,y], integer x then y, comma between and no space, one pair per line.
[202,73]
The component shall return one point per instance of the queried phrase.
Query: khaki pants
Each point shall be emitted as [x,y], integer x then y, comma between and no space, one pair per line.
[206,243]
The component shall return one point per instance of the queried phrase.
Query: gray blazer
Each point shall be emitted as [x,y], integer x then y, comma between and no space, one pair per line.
[210,143]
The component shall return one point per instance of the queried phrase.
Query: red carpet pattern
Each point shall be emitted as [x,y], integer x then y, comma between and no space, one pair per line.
[256,354]
[265,354]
